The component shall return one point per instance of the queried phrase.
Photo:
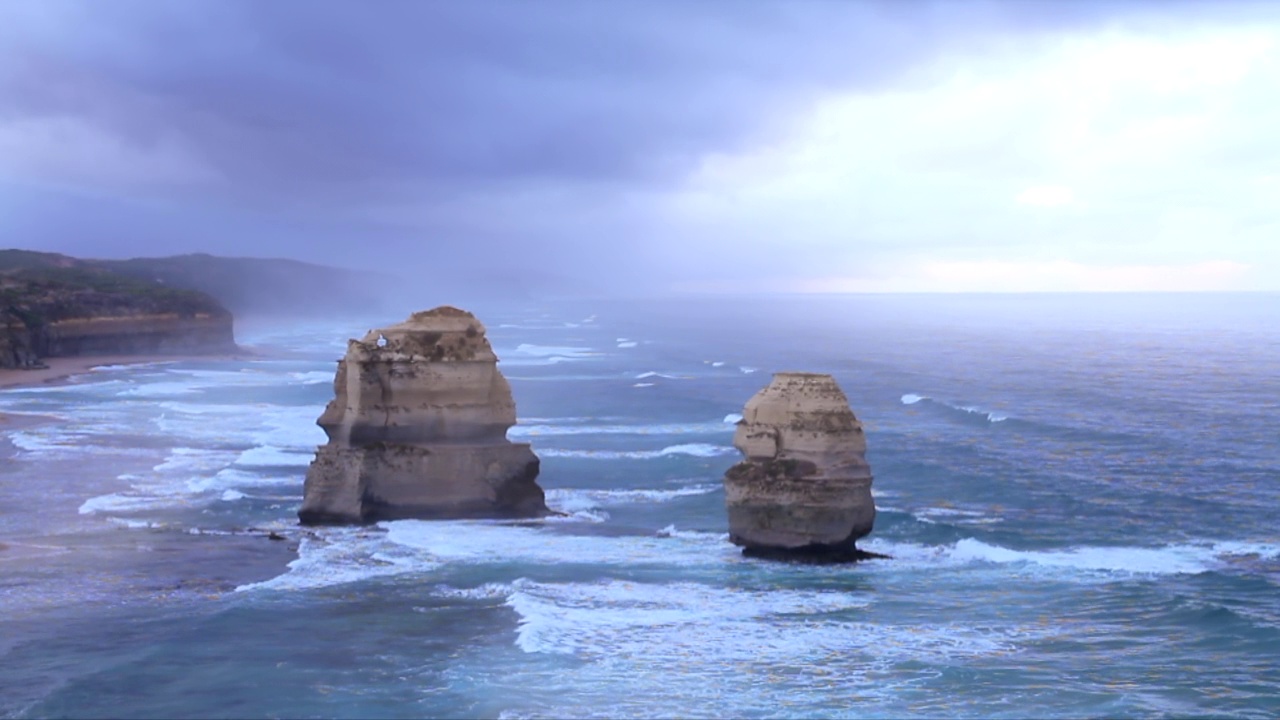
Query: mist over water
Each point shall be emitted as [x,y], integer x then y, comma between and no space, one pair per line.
[1078,493]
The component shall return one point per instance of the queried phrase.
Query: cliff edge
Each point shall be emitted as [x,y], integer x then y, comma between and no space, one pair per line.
[58,306]
[418,429]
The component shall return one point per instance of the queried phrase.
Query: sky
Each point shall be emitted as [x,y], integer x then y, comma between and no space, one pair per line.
[657,145]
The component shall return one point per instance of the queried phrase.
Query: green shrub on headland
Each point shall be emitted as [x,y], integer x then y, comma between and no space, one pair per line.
[41,288]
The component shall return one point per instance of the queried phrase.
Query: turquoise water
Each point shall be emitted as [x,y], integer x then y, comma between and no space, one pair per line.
[1078,493]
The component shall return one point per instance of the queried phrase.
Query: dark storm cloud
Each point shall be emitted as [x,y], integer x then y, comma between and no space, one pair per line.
[292,125]
[298,96]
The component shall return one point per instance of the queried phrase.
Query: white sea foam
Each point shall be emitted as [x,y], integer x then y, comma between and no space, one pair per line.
[314,377]
[747,370]
[677,625]
[627,344]
[718,363]
[117,502]
[160,389]
[89,432]
[643,385]
[1181,559]
[672,531]
[244,377]
[531,354]
[571,499]
[97,387]
[231,495]
[578,507]
[733,418]
[115,368]
[285,427]
[493,542]
[1157,561]
[134,524]
[337,556]
[570,419]
[955,515]
[268,456]
[232,478]
[43,442]
[188,477]
[990,415]
[690,449]
[667,376]
[185,460]
[488,591]
[1233,548]
[698,428]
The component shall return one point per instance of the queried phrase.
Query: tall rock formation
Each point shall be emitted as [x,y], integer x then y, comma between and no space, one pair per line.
[418,429]
[804,489]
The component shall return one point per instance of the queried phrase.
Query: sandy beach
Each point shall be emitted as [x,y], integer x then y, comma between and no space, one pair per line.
[62,368]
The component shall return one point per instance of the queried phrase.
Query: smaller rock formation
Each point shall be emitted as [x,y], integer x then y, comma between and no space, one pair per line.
[418,429]
[804,490]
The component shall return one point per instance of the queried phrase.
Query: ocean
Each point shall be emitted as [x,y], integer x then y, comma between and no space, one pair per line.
[1078,493]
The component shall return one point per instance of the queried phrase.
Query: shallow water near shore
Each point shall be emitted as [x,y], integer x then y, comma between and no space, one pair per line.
[1078,494]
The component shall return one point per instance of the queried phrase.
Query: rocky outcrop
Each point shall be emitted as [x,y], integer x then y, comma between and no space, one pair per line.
[418,429]
[804,489]
[16,347]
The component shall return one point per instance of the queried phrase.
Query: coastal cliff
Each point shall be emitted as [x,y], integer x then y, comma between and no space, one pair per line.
[58,306]
[418,429]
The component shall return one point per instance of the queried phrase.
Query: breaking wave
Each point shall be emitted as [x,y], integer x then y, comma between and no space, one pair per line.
[699,428]
[690,449]
[990,415]
[1181,559]
[667,376]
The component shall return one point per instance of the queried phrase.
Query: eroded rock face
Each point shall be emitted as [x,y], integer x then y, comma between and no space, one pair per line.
[418,429]
[804,489]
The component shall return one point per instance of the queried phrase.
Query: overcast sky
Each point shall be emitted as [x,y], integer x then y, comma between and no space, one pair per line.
[690,145]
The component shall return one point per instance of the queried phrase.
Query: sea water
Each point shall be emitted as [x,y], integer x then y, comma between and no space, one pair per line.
[1078,493]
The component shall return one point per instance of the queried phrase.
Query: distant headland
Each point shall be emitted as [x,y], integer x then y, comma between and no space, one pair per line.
[55,306]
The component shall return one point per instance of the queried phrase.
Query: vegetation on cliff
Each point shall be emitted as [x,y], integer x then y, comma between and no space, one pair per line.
[40,293]
[262,286]
[41,288]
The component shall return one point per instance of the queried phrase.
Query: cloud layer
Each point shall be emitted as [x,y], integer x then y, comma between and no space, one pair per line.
[656,145]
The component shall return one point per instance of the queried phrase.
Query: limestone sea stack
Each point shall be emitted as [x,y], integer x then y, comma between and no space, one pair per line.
[804,489]
[418,429]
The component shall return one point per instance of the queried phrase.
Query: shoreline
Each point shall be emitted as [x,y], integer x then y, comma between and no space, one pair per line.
[137,567]
[62,369]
